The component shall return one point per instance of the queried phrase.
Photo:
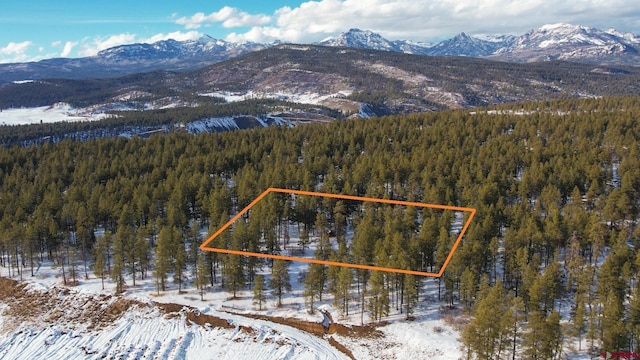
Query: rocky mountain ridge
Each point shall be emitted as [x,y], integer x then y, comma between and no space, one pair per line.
[550,42]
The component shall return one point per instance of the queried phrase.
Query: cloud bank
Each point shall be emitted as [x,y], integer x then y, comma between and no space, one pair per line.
[421,20]
[15,52]
[228,17]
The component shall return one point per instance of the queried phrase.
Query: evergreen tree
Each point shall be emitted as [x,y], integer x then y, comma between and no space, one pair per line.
[411,284]
[314,285]
[100,264]
[234,267]
[442,252]
[467,288]
[342,289]
[179,259]
[202,273]
[119,264]
[280,281]
[482,337]
[233,273]
[378,304]
[163,259]
[259,295]
[543,336]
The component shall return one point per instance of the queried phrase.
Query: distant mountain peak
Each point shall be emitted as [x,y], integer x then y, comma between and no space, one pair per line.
[367,39]
[465,45]
[361,39]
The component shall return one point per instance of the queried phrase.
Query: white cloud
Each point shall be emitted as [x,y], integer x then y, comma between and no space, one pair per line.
[91,46]
[15,48]
[228,16]
[176,35]
[15,52]
[68,46]
[422,20]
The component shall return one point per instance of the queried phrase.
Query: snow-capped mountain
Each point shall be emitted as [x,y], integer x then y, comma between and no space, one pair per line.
[366,39]
[465,45]
[571,42]
[359,39]
[204,47]
[130,59]
[553,41]
[557,35]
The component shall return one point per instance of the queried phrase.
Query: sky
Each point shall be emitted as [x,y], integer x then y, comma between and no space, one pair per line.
[32,30]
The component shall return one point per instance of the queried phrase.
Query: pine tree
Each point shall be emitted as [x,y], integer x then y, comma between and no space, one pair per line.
[100,265]
[117,270]
[233,273]
[202,273]
[483,335]
[141,252]
[342,286]
[467,288]
[119,251]
[163,259]
[234,267]
[442,252]
[280,281]
[313,285]
[378,304]
[179,259]
[634,319]
[259,295]
[411,284]
[578,325]
[543,336]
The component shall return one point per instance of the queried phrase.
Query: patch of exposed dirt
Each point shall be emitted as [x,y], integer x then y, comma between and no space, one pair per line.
[318,329]
[198,318]
[40,307]
[59,304]
[366,331]
[341,347]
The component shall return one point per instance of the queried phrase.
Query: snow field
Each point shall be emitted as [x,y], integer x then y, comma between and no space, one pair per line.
[47,114]
[147,333]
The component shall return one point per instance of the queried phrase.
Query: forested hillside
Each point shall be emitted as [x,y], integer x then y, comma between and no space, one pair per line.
[550,258]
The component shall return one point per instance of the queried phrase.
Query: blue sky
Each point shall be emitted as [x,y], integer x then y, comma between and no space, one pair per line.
[36,29]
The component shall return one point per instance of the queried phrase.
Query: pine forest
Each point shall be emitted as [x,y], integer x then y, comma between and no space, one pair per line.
[550,258]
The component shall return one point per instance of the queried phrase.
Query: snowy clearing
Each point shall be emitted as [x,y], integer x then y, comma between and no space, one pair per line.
[47,114]
[304,98]
[63,328]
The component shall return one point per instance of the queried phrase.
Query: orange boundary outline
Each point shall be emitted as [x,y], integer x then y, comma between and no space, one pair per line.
[472,212]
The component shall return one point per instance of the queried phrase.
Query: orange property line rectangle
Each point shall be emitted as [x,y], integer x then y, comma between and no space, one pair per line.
[472,212]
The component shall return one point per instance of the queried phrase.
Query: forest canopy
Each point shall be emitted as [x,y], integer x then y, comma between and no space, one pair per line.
[556,186]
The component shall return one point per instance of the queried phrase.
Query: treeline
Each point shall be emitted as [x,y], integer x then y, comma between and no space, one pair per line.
[557,194]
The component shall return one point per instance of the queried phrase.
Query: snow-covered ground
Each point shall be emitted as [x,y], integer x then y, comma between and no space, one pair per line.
[147,333]
[47,114]
[304,98]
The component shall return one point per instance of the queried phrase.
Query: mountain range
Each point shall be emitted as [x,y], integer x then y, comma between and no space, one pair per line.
[549,42]
[289,84]
[131,59]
